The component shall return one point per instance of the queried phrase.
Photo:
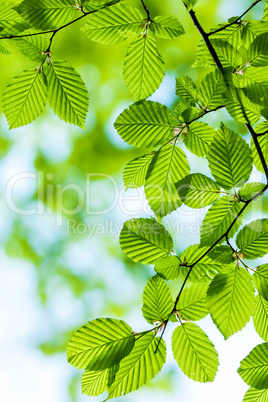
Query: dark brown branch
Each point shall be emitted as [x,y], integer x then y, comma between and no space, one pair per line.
[146,10]
[235,21]
[259,150]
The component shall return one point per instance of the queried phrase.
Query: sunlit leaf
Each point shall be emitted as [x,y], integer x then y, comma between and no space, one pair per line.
[168,267]
[195,353]
[230,300]
[260,317]
[254,368]
[144,68]
[198,138]
[145,240]
[253,239]
[140,366]
[192,302]
[260,279]
[100,344]
[135,171]
[157,300]
[167,27]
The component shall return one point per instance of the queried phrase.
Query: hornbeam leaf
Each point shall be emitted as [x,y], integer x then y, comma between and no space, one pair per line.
[168,165]
[230,300]
[9,19]
[157,300]
[265,12]
[252,30]
[135,171]
[253,239]
[100,344]
[231,34]
[229,159]
[114,24]
[240,107]
[94,383]
[228,54]
[192,302]
[5,48]
[167,27]
[32,46]
[146,124]
[195,353]
[186,90]
[46,14]
[67,93]
[205,269]
[198,190]
[211,90]
[168,267]
[190,3]
[250,190]
[145,240]
[263,141]
[254,368]
[256,395]
[25,98]
[260,279]
[258,51]
[260,317]
[198,138]
[219,218]
[140,366]
[222,254]
[144,68]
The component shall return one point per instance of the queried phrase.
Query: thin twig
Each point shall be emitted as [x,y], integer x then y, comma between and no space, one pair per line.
[146,10]
[236,21]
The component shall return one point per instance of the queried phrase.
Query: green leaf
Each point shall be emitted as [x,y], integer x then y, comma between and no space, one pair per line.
[229,159]
[263,141]
[24,98]
[260,317]
[135,171]
[230,300]
[258,51]
[100,344]
[254,83]
[5,48]
[190,3]
[46,14]
[157,301]
[265,12]
[240,107]
[32,46]
[198,138]
[9,19]
[203,57]
[254,368]
[186,90]
[260,279]
[94,383]
[167,27]
[251,30]
[231,34]
[114,24]
[198,190]
[228,54]
[168,267]
[192,303]
[195,353]
[145,240]
[222,254]
[253,239]
[140,366]
[218,220]
[144,68]
[146,124]
[256,395]
[211,90]
[168,165]
[250,190]
[205,269]
[67,93]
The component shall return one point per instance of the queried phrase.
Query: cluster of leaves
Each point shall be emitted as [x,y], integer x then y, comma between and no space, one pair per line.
[216,281]
[33,25]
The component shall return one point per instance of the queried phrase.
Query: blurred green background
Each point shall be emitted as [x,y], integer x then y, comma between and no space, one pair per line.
[62,207]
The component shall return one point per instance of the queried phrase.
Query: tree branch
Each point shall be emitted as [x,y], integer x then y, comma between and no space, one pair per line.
[236,21]
[259,150]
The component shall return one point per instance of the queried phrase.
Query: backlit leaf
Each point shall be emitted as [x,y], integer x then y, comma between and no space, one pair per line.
[254,368]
